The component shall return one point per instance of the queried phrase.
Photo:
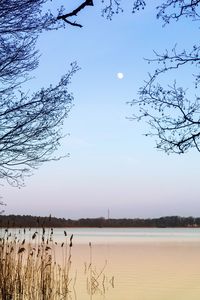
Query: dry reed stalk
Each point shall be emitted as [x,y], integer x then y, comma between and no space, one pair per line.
[97,281]
[29,271]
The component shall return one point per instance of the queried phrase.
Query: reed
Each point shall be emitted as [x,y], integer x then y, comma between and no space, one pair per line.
[29,270]
[97,280]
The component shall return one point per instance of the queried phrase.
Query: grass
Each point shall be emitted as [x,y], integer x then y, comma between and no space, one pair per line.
[28,269]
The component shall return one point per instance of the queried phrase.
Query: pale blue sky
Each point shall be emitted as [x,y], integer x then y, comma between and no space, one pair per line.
[111,165]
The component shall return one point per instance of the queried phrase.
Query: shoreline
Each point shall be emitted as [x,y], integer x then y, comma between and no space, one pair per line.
[101,227]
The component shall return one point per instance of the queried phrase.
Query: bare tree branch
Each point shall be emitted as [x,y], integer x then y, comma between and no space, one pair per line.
[173,116]
[175,9]
[111,7]
[65,17]
[30,125]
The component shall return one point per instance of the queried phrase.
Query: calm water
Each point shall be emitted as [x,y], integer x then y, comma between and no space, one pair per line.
[129,235]
[135,264]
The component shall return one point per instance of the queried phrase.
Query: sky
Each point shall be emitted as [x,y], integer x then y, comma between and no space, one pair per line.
[112,165]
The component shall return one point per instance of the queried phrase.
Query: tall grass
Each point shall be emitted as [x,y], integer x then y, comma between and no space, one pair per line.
[35,267]
[29,270]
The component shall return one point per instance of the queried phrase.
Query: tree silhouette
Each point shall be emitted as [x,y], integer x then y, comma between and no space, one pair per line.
[30,125]
[172,113]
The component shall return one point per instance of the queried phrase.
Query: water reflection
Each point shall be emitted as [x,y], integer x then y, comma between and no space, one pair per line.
[158,268]
[97,280]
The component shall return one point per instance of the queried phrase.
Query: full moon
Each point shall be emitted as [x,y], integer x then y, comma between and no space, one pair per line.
[120,75]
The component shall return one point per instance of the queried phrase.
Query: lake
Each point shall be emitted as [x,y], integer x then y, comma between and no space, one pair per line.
[133,263]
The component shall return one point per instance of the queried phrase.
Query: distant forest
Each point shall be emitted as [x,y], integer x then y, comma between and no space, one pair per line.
[8,221]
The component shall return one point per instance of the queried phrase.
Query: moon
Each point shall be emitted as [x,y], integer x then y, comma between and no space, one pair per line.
[120,75]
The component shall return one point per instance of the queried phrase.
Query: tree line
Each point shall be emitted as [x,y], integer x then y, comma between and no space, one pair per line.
[21,221]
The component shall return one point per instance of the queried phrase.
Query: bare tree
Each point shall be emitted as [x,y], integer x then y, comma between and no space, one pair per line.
[30,128]
[30,125]
[171,111]
[20,23]
[174,117]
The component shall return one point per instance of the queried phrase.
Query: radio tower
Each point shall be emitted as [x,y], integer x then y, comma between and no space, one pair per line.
[108,213]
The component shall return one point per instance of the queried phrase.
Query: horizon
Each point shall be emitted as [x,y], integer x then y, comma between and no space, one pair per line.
[100,217]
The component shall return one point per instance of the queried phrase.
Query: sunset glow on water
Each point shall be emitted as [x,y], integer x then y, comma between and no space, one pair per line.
[133,263]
